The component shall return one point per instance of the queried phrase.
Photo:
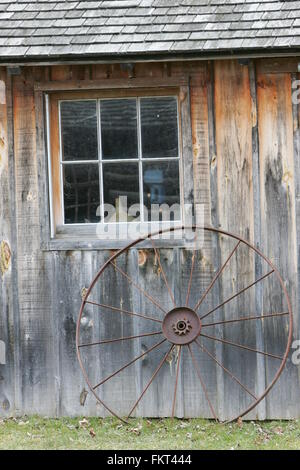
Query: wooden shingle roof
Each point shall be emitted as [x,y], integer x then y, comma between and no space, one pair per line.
[68,28]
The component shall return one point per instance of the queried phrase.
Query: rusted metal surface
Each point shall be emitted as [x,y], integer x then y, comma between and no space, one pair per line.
[182,326]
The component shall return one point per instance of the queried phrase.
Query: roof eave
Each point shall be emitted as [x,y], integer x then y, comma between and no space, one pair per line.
[150,57]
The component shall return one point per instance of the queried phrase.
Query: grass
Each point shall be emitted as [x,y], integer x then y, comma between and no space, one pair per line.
[161,434]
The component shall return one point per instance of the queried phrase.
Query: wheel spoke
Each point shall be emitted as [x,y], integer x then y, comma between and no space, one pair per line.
[203,348]
[176,381]
[129,364]
[120,339]
[241,346]
[202,383]
[162,272]
[259,317]
[131,281]
[235,295]
[150,381]
[216,277]
[121,310]
[190,280]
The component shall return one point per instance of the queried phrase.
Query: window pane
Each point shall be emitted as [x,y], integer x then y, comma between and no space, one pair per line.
[81,194]
[79,130]
[161,186]
[119,128]
[159,127]
[121,179]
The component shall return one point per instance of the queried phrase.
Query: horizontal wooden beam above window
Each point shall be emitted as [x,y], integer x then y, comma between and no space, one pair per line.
[63,95]
[108,84]
[278,65]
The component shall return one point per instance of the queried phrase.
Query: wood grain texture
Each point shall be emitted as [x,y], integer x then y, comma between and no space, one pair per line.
[109,84]
[261,372]
[7,370]
[277,65]
[233,131]
[37,351]
[296,127]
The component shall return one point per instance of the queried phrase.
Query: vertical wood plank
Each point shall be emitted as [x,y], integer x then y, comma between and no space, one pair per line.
[42,165]
[61,72]
[261,372]
[199,95]
[187,180]
[158,401]
[296,130]
[277,183]
[201,117]
[37,350]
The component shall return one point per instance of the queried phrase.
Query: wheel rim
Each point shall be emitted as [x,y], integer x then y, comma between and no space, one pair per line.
[183,326]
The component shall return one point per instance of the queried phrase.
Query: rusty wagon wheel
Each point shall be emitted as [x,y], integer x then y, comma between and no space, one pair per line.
[209,322]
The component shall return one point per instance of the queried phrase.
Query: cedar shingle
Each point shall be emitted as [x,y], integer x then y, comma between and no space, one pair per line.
[66,27]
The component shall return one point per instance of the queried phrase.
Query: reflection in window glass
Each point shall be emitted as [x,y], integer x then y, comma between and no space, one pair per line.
[159,127]
[161,186]
[79,130]
[135,129]
[81,194]
[121,180]
[119,128]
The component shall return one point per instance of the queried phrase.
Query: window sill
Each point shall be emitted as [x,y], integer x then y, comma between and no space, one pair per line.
[72,238]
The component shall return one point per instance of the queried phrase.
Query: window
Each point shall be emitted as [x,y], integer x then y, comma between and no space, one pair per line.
[118,154]
[117,148]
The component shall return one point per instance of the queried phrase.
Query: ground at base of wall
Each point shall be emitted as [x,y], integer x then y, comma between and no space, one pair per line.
[162,434]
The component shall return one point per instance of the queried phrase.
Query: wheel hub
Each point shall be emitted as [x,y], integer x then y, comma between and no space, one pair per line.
[181,325]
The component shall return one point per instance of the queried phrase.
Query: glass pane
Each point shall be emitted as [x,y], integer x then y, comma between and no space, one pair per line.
[81,194]
[119,128]
[79,130]
[159,127]
[161,186]
[121,179]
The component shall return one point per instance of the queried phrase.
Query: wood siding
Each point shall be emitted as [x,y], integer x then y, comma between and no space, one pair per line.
[245,142]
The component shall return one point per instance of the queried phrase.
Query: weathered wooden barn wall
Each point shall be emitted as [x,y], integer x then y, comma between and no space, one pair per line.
[245,136]
[7,336]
